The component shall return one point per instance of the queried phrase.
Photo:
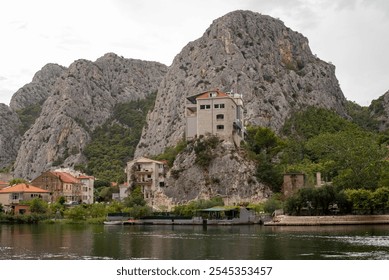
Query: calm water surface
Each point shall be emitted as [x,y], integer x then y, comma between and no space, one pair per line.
[64,242]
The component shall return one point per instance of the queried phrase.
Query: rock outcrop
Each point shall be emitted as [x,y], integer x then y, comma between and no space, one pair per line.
[39,89]
[229,175]
[81,99]
[379,110]
[9,136]
[253,54]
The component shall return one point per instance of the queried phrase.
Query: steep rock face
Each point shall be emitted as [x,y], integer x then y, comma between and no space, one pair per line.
[9,136]
[229,175]
[379,110]
[83,98]
[39,89]
[255,55]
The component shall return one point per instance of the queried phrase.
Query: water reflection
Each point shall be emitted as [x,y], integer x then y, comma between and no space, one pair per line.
[192,242]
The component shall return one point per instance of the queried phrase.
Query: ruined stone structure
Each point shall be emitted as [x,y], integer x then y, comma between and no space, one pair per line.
[293,182]
[148,174]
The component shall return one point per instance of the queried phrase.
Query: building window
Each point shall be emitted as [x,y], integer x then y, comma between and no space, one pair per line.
[202,107]
[220,127]
[216,106]
[213,94]
[208,107]
[219,117]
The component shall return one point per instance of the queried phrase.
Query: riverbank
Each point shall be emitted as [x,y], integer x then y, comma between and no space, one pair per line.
[285,220]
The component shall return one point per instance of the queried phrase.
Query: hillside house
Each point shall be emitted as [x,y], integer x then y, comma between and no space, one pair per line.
[60,184]
[12,197]
[217,113]
[148,174]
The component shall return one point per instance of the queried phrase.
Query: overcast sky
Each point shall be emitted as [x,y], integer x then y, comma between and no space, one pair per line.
[352,34]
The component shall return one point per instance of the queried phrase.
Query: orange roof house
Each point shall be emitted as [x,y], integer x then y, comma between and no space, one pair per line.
[23,188]
[59,184]
[13,195]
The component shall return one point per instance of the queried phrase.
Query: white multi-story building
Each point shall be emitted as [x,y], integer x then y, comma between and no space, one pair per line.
[217,113]
[87,188]
[148,174]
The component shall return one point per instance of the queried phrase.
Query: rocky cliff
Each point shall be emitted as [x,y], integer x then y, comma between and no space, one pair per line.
[229,175]
[253,54]
[379,110]
[9,136]
[80,99]
[39,89]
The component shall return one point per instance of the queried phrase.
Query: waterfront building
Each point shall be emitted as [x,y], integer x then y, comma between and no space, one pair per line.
[12,197]
[148,174]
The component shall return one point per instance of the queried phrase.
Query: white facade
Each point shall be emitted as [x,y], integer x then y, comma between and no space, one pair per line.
[87,188]
[217,113]
[148,174]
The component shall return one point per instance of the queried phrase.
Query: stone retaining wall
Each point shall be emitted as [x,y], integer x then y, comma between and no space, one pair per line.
[285,220]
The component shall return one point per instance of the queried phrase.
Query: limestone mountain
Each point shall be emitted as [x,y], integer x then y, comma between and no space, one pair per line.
[271,65]
[9,136]
[39,89]
[80,99]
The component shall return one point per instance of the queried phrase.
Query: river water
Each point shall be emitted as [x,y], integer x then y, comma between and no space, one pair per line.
[73,242]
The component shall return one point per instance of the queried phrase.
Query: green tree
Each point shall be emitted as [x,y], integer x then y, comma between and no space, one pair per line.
[135,198]
[104,194]
[313,121]
[263,145]
[361,200]
[16,181]
[38,206]
[77,213]
[380,199]
[356,157]
[273,204]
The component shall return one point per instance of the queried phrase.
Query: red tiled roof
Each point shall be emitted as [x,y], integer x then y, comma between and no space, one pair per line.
[23,188]
[147,160]
[205,95]
[66,177]
[85,177]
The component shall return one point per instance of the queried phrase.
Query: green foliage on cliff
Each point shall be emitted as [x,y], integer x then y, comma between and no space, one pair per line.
[264,146]
[170,153]
[204,149]
[28,116]
[313,121]
[362,115]
[114,143]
